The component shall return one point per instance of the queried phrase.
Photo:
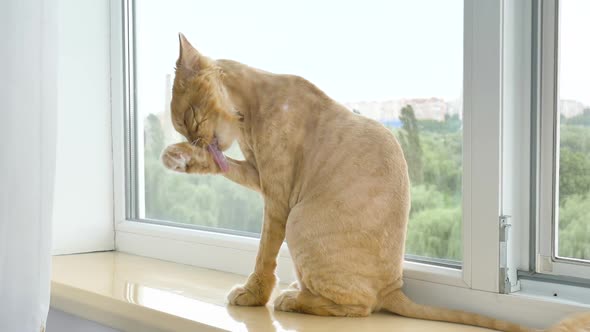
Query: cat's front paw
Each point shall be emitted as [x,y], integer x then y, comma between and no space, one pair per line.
[242,296]
[185,158]
[255,292]
[177,157]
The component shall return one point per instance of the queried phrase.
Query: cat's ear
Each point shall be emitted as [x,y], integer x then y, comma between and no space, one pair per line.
[189,60]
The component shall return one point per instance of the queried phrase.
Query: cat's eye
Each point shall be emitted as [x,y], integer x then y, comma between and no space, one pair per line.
[190,119]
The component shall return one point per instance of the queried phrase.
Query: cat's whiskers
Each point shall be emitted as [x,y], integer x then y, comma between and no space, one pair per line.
[196,142]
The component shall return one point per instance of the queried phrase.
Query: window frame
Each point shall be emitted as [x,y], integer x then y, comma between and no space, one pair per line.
[484,164]
[476,286]
[481,165]
[546,260]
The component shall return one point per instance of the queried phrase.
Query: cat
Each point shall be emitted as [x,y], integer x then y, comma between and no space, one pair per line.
[335,186]
[578,323]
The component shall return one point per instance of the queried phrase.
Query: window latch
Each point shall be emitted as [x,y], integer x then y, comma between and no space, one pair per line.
[504,278]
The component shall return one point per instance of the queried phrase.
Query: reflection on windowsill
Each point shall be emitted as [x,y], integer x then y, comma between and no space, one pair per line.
[229,317]
[134,293]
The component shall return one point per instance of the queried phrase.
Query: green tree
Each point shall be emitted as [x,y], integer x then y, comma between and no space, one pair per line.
[153,137]
[574,186]
[574,174]
[582,119]
[574,227]
[443,162]
[409,137]
[434,229]
[575,138]
[574,159]
[451,124]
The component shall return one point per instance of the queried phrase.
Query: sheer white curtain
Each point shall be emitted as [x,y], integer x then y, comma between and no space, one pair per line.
[28,72]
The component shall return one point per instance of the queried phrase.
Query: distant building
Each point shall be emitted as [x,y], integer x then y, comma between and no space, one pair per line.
[425,108]
[569,108]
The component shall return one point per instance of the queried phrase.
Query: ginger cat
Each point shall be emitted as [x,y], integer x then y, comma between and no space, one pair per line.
[335,186]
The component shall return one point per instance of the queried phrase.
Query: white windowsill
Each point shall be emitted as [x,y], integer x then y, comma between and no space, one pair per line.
[134,293]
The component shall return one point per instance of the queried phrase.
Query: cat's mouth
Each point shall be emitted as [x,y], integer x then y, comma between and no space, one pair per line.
[217,155]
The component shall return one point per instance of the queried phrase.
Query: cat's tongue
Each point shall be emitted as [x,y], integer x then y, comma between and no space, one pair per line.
[218,155]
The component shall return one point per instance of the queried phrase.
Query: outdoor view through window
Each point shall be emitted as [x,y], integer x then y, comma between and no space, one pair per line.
[574,130]
[398,62]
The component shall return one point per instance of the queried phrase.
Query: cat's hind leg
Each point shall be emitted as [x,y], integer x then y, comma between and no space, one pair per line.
[305,302]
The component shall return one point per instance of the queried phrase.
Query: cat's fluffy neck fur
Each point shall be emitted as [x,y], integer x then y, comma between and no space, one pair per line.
[243,85]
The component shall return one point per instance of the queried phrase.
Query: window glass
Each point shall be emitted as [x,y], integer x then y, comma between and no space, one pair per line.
[574,130]
[398,62]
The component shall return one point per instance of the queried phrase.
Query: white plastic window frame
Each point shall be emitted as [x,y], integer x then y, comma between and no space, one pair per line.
[547,262]
[482,167]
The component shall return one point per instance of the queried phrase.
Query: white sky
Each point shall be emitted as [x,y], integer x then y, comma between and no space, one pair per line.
[353,50]
[574,53]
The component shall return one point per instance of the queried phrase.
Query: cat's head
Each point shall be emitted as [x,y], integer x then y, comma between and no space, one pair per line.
[201,108]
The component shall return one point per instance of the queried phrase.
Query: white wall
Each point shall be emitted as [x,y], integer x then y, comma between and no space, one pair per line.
[59,321]
[83,208]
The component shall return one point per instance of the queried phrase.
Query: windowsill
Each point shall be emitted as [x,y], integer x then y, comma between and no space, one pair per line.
[134,293]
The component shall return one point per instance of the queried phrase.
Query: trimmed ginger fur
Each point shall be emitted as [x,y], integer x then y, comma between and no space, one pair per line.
[335,186]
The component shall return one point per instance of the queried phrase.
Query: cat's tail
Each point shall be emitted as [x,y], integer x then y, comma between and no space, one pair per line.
[578,323]
[398,303]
